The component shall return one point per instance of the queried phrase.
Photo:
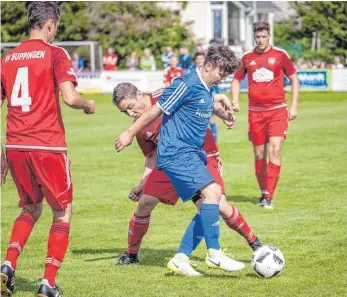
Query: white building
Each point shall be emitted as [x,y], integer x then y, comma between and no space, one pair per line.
[230,21]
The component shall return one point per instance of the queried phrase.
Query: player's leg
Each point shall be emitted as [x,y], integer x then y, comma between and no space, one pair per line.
[213,126]
[273,168]
[258,136]
[138,228]
[53,174]
[235,221]
[30,200]
[277,131]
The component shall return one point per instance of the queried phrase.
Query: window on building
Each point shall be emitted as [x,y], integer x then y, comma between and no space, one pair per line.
[217,24]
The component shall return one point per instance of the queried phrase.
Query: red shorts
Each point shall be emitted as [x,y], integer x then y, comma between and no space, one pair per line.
[38,174]
[266,124]
[159,185]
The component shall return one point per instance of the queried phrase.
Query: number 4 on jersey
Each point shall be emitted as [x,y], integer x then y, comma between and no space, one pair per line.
[21,84]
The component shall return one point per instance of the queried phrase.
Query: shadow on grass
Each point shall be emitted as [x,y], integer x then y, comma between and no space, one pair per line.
[24,285]
[252,200]
[147,256]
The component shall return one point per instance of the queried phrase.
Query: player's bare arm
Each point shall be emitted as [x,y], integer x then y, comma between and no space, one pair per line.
[150,163]
[295,86]
[235,91]
[224,100]
[126,138]
[74,100]
[4,167]
[225,114]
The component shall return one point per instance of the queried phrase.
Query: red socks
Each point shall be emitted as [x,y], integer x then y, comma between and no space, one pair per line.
[138,227]
[273,173]
[58,242]
[238,224]
[20,233]
[261,173]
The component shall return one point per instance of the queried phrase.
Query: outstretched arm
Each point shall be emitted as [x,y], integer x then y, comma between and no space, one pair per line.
[126,138]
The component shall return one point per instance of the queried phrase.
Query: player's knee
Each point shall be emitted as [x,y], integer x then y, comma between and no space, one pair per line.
[146,204]
[212,193]
[63,215]
[224,207]
[34,210]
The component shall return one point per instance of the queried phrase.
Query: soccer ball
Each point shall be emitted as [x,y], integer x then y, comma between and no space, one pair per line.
[267,261]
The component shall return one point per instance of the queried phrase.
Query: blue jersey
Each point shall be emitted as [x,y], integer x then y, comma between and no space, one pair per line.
[187,105]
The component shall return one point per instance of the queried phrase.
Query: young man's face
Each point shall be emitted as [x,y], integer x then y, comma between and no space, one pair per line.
[262,39]
[52,30]
[173,62]
[199,61]
[215,75]
[133,107]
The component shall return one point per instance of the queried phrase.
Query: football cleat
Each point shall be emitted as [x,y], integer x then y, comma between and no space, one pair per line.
[46,290]
[127,259]
[261,201]
[7,279]
[268,203]
[217,259]
[255,244]
[181,265]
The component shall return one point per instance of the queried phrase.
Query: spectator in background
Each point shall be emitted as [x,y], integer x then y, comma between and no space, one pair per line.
[77,62]
[337,63]
[185,61]
[166,56]
[199,49]
[147,61]
[110,60]
[132,62]
[172,72]
[199,59]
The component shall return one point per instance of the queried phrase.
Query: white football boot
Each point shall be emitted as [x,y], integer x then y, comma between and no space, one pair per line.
[181,265]
[217,259]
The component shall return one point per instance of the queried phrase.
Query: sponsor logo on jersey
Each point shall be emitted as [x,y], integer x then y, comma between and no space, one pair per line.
[252,63]
[149,134]
[263,75]
[216,224]
[202,101]
[271,61]
[205,114]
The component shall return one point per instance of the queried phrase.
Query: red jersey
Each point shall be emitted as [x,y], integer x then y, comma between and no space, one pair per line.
[109,58]
[171,73]
[30,76]
[266,78]
[148,136]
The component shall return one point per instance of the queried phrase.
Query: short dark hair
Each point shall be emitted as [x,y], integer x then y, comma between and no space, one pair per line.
[123,91]
[40,12]
[222,56]
[198,54]
[260,26]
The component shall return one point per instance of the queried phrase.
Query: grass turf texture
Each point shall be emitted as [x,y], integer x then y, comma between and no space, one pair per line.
[308,223]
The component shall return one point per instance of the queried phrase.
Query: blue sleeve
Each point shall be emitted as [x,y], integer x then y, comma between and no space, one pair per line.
[173,96]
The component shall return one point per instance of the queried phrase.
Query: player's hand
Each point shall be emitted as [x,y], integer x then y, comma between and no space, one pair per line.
[135,194]
[230,122]
[4,169]
[90,109]
[292,113]
[236,106]
[123,141]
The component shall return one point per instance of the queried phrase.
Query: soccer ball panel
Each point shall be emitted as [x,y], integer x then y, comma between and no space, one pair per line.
[268,261]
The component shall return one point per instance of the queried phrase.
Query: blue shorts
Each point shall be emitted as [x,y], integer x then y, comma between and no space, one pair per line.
[189,175]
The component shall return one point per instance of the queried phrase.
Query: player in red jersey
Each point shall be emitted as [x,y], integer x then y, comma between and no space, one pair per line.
[32,75]
[172,72]
[268,114]
[155,186]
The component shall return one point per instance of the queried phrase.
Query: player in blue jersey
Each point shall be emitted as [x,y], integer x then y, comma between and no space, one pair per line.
[188,105]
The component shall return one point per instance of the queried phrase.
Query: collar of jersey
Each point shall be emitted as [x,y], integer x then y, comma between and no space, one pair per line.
[198,72]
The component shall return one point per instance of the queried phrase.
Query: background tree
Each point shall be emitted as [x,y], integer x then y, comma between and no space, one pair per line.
[327,19]
[126,26]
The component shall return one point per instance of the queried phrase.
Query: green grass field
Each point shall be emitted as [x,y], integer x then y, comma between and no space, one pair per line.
[308,223]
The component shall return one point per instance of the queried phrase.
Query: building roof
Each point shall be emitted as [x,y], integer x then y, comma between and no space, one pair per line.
[262,6]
